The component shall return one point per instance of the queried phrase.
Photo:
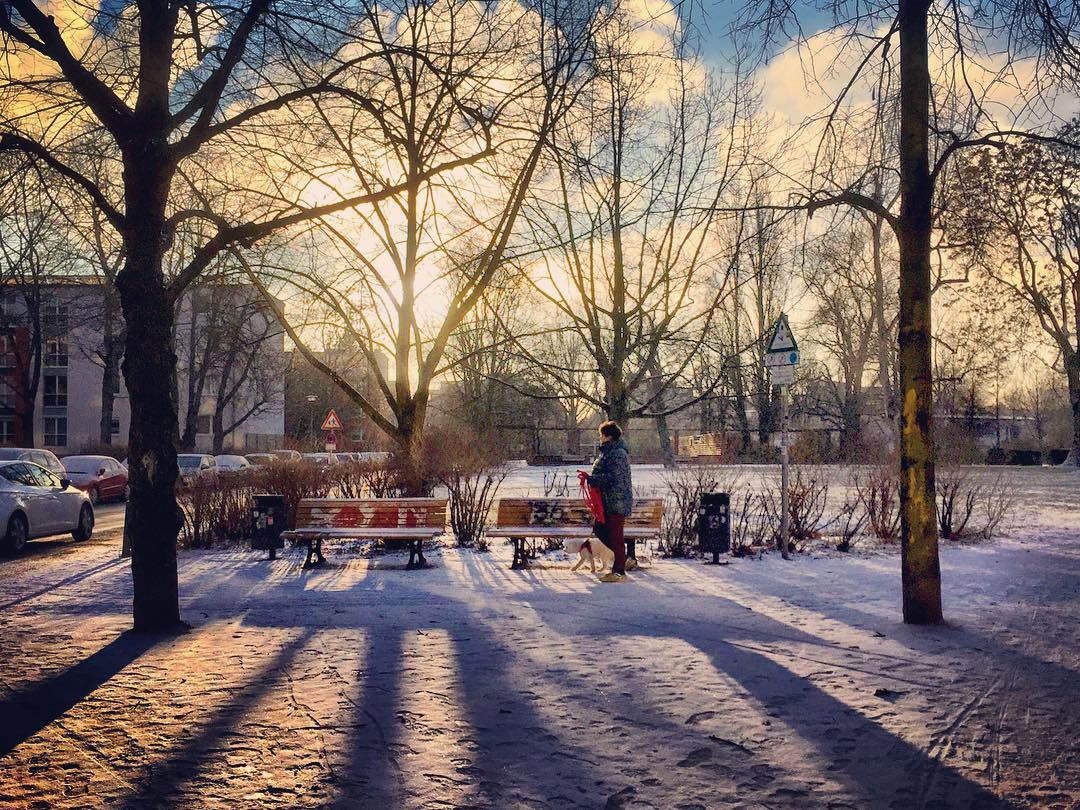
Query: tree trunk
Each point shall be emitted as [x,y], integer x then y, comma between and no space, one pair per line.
[667,449]
[740,411]
[110,375]
[1072,371]
[884,338]
[149,365]
[218,428]
[920,568]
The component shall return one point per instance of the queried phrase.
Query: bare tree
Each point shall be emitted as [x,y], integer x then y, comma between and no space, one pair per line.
[1018,207]
[166,90]
[949,65]
[841,275]
[408,271]
[627,221]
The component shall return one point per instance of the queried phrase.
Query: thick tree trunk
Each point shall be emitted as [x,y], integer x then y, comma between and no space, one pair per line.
[920,568]
[110,375]
[1072,371]
[149,366]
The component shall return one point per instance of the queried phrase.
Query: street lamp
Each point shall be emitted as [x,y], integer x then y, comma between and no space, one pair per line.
[312,399]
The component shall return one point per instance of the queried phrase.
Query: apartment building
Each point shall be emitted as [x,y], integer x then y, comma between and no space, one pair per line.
[52,347]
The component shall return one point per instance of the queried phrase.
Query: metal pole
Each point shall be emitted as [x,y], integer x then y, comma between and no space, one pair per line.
[784,519]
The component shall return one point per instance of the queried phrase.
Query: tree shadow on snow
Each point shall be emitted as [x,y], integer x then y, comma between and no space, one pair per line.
[28,711]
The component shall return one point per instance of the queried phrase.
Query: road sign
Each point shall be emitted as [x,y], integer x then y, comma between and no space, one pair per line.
[782,375]
[331,443]
[789,358]
[782,340]
[331,422]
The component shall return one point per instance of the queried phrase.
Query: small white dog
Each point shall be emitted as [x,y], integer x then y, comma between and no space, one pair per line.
[591,549]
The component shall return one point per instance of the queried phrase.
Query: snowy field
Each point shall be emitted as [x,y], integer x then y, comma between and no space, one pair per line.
[761,684]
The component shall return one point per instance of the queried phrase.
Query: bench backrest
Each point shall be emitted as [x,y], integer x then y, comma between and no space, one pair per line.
[561,512]
[371,513]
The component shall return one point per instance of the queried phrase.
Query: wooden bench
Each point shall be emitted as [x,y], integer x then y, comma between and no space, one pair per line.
[526,521]
[413,520]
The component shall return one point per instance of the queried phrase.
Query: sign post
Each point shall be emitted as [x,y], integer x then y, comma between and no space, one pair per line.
[329,425]
[781,357]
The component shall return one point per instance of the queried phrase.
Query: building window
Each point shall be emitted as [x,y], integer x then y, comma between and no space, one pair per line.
[56,391]
[8,356]
[203,424]
[55,431]
[56,352]
[7,430]
[7,392]
[56,317]
[114,426]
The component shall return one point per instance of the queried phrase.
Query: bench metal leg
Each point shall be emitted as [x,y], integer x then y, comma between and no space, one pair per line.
[631,549]
[314,549]
[416,555]
[521,556]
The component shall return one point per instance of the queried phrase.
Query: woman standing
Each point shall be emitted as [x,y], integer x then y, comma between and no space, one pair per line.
[611,475]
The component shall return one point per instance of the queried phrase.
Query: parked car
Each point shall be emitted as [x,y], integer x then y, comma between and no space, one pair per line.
[35,502]
[43,458]
[261,459]
[287,455]
[101,477]
[320,459]
[232,464]
[196,465]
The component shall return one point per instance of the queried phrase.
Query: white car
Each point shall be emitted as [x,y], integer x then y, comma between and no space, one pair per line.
[196,465]
[35,502]
[43,458]
[321,459]
[232,464]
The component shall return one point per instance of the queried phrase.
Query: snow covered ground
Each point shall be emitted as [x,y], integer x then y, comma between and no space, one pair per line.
[758,684]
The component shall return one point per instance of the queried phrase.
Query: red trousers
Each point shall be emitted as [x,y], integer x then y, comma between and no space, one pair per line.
[610,533]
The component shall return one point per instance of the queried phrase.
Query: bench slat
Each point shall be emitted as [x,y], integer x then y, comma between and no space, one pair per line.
[371,513]
[562,531]
[403,534]
[552,513]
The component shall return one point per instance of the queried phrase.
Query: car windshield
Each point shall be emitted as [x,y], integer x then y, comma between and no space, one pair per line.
[191,462]
[82,466]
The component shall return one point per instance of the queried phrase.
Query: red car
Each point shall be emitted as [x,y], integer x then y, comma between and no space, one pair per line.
[101,477]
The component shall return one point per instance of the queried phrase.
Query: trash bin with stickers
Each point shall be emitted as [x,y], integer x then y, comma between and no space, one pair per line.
[267,524]
[714,524]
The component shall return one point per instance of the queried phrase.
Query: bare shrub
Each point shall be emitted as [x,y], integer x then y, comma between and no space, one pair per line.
[294,480]
[214,511]
[472,469]
[678,531]
[850,523]
[998,501]
[366,479]
[957,496]
[557,484]
[807,494]
[749,523]
[878,488]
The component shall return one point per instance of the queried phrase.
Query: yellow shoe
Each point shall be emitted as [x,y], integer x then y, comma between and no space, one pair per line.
[613,577]
[631,564]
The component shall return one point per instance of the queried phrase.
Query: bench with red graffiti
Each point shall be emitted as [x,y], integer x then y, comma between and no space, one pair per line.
[526,521]
[411,520]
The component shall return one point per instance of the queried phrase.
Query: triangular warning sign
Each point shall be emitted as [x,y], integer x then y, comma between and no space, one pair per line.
[331,422]
[782,340]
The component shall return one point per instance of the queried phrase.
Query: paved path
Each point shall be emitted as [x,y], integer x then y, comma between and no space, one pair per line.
[761,684]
